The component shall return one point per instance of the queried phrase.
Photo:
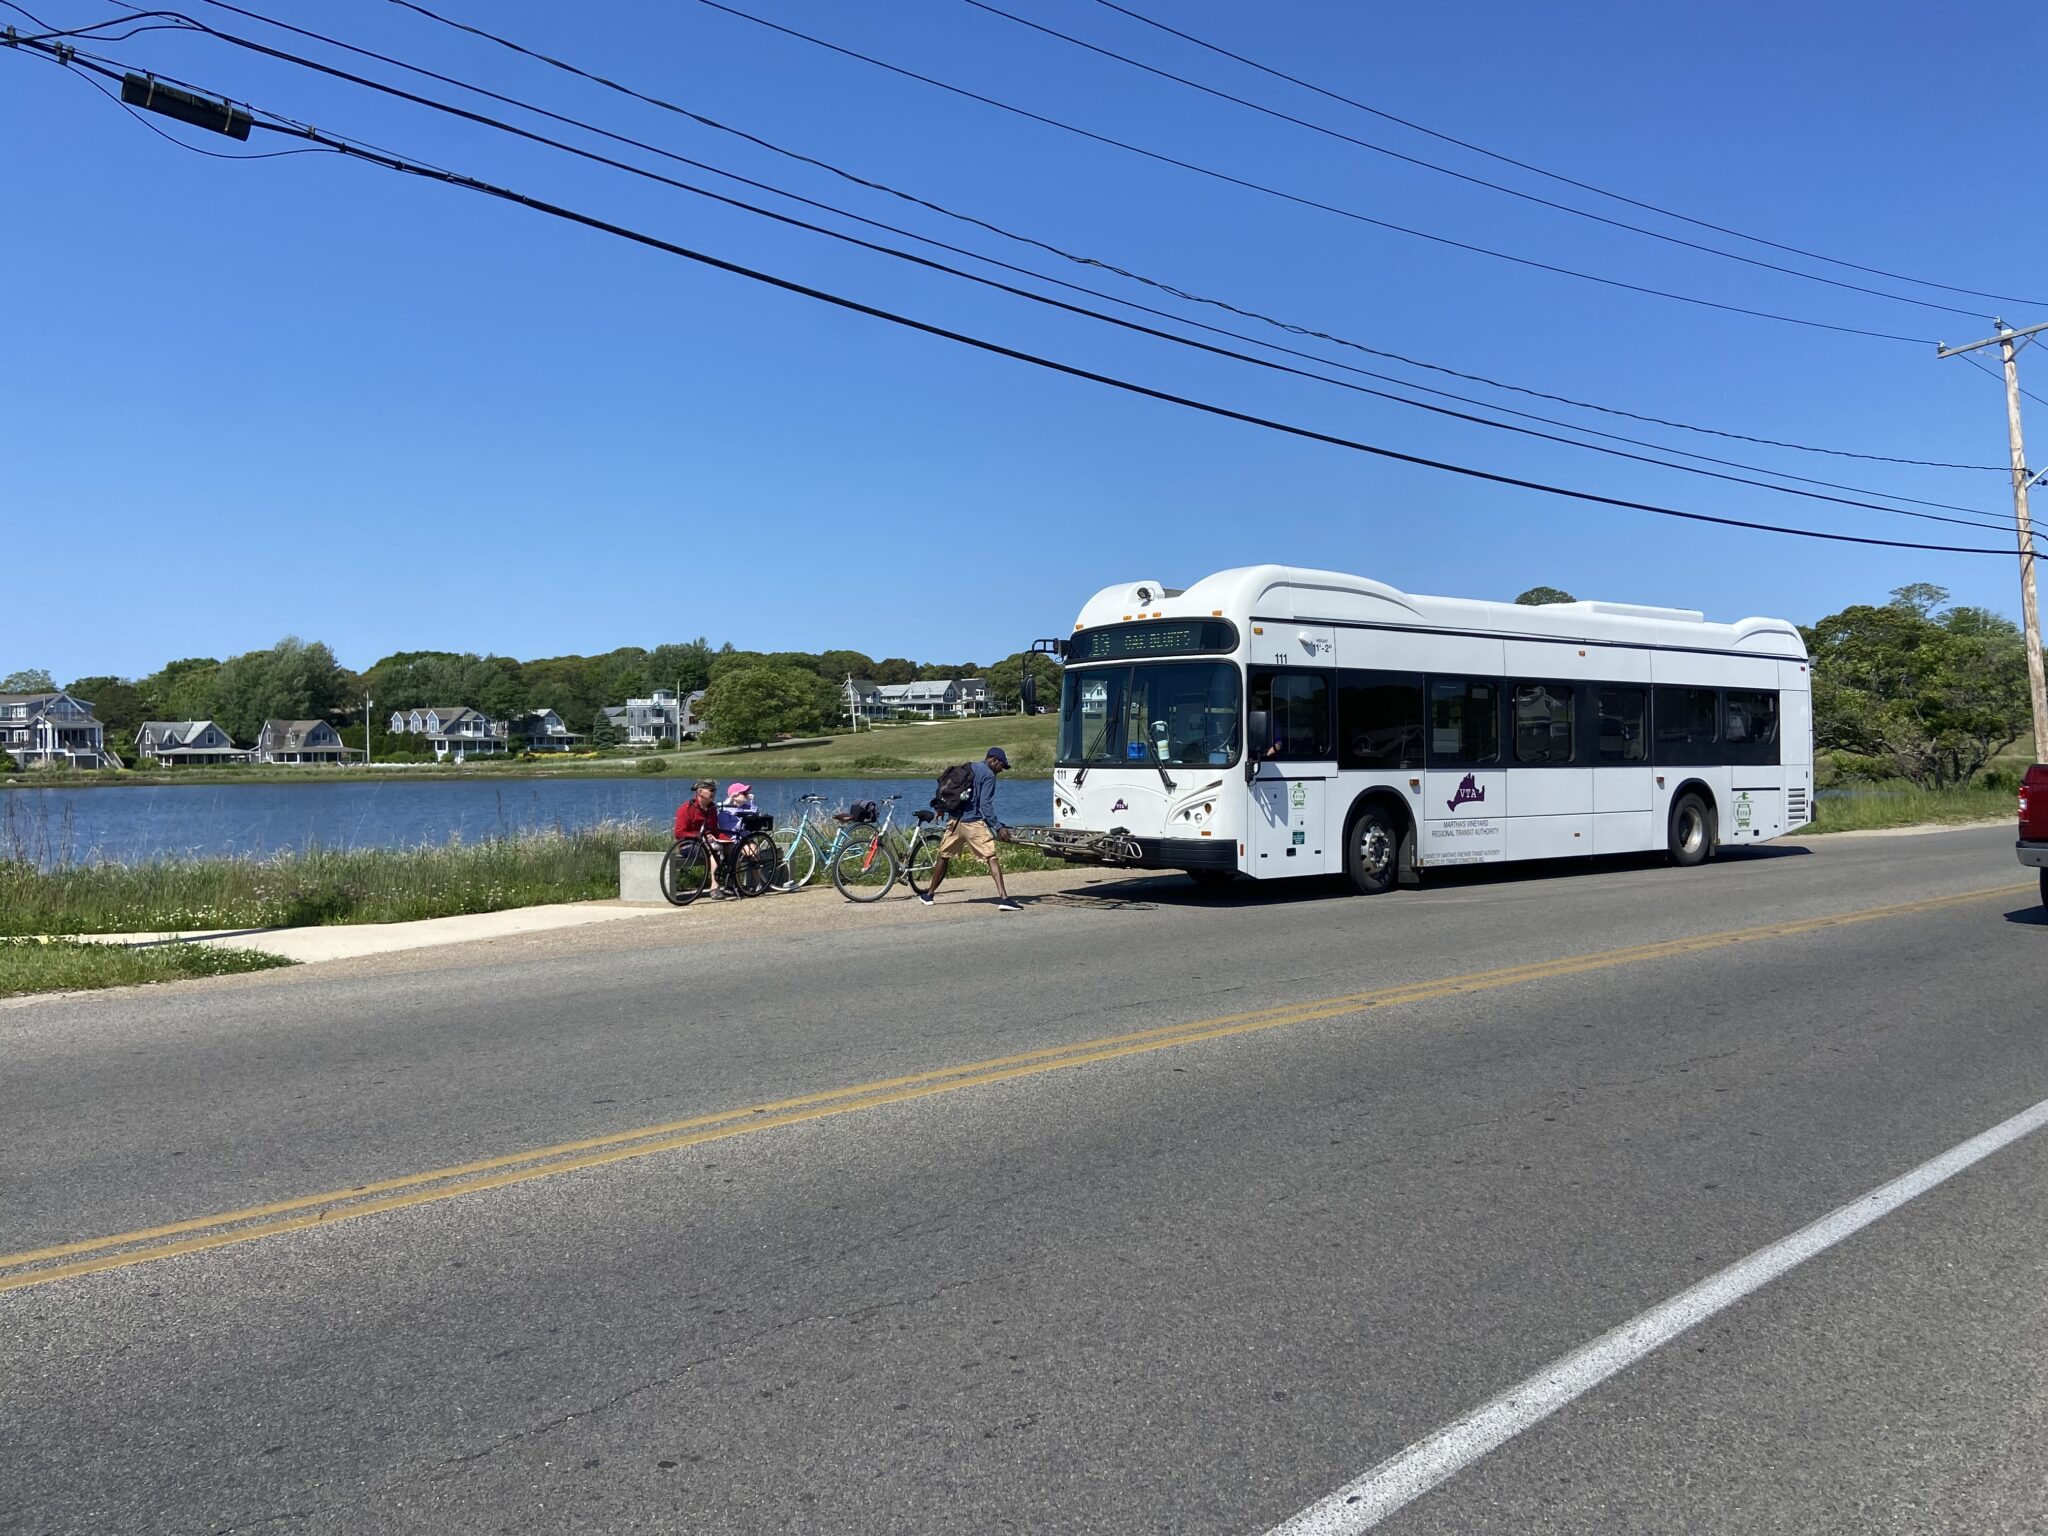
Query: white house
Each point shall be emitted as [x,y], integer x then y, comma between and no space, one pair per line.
[53,728]
[183,742]
[299,741]
[659,717]
[542,730]
[940,696]
[452,728]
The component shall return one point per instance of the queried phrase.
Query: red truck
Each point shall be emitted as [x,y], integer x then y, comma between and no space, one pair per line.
[2034,823]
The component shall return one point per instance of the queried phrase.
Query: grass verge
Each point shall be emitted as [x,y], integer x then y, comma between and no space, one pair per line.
[31,965]
[1889,805]
[365,885]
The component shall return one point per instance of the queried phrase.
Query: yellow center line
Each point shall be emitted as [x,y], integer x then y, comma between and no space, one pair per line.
[34,1267]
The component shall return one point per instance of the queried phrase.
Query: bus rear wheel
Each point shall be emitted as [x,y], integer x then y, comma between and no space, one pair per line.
[1692,832]
[1372,853]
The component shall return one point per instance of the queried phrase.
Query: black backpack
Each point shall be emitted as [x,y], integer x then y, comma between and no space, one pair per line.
[956,790]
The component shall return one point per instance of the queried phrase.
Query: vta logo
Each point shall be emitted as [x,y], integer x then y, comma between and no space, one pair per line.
[1467,793]
[1119,806]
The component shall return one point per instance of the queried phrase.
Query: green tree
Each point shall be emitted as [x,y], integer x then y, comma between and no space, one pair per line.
[1931,696]
[685,667]
[603,733]
[28,680]
[1006,680]
[837,666]
[894,669]
[1537,597]
[293,680]
[180,690]
[755,703]
[116,704]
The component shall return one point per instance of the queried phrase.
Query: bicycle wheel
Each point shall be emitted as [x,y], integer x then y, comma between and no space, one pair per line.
[922,860]
[757,865]
[685,871]
[864,869]
[799,858]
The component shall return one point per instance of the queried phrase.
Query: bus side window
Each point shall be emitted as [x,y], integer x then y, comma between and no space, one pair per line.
[1688,726]
[1464,721]
[1624,720]
[1297,710]
[1752,726]
[1379,720]
[1543,722]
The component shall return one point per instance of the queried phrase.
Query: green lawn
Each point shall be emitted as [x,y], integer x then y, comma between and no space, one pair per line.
[887,752]
[29,965]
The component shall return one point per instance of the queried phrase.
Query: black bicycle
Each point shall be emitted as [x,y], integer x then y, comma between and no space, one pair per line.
[748,865]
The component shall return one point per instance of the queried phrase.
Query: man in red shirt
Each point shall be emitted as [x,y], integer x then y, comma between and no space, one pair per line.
[698,817]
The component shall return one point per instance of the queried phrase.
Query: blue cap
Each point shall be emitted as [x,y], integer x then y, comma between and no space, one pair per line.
[999,755]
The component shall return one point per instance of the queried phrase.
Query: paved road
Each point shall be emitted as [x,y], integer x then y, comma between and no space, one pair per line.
[1191,1281]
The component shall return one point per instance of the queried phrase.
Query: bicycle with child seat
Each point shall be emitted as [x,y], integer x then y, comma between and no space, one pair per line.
[862,858]
[917,852]
[747,866]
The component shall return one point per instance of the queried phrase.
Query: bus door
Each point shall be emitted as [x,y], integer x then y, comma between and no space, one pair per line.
[1291,766]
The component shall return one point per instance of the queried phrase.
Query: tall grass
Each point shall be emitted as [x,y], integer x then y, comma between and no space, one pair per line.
[363,885]
[1877,806]
[27,965]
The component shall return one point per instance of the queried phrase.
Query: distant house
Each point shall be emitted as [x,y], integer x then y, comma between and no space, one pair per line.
[860,699]
[184,742]
[452,729]
[299,741]
[659,717]
[53,729]
[929,700]
[541,730]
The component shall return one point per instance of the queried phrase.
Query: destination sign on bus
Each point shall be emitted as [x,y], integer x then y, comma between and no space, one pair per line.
[1161,637]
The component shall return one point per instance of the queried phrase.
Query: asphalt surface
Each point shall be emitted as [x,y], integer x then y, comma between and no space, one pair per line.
[1187,1289]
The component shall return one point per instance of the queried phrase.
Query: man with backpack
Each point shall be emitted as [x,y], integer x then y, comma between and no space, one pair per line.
[967,793]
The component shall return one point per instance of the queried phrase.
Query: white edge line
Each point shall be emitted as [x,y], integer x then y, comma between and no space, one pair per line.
[1409,1474]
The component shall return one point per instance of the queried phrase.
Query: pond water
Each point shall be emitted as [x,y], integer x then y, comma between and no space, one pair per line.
[133,824]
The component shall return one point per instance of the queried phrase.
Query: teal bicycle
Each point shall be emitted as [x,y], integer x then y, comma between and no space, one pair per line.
[858,856]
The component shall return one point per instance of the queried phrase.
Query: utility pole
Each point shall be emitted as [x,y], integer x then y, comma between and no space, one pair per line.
[368,703]
[2009,343]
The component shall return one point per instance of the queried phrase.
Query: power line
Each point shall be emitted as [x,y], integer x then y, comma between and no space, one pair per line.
[1445,170]
[1038,298]
[411,167]
[1984,367]
[1067,255]
[1537,170]
[1309,202]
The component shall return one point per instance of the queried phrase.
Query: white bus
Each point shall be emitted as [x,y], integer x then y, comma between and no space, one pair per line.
[1273,721]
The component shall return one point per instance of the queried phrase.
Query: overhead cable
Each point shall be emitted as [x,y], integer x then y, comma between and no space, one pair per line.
[1023,293]
[1445,170]
[1313,203]
[1557,176]
[1098,263]
[406,166]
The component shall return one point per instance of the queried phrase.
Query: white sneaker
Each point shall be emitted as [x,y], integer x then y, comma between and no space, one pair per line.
[923,898]
[1007,905]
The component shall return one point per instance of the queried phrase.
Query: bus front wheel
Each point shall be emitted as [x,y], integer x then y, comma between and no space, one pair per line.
[1372,853]
[1692,831]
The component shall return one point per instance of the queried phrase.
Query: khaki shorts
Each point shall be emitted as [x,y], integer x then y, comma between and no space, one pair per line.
[972,836]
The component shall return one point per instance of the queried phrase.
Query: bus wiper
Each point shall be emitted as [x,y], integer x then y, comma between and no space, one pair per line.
[1080,776]
[1164,777]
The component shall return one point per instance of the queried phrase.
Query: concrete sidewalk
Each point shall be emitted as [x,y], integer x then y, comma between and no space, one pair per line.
[814,910]
[343,941]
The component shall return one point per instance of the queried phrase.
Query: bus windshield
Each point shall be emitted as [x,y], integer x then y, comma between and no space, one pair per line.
[1181,713]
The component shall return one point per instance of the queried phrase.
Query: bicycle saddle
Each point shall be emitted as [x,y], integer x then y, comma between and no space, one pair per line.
[927,815]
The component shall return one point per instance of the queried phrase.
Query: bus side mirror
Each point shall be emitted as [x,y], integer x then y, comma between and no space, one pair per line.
[1027,689]
[1258,737]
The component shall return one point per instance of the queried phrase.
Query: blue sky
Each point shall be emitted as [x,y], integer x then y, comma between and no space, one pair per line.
[307,396]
